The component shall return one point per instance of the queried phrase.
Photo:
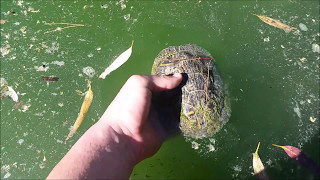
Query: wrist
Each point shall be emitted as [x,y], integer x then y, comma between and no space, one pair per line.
[121,140]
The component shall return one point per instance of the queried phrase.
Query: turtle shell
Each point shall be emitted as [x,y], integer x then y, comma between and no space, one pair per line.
[204,103]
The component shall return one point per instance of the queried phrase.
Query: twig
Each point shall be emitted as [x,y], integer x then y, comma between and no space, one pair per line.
[59,29]
[207,97]
[68,24]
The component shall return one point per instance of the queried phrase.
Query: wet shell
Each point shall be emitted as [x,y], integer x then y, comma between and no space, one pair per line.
[204,103]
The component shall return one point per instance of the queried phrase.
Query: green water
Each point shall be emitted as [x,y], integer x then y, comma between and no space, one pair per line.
[272,77]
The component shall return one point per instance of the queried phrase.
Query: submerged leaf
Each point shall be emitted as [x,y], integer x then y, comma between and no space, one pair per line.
[293,152]
[275,23]
[257,165]
[117,62]
[83,111]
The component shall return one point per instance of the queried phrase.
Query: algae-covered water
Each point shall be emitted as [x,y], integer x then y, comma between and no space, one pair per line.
[272,77]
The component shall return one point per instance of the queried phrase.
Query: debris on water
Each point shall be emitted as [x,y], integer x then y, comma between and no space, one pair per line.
[282,47]
[275,23]
[90,55]
[7,175]
[24,107]
[67,25]
[123,6]
[23,30]
[31,9]
[20,2]
[83,111]
[194,145]
[312,119]
[58,63]
[303,59]
[211,148]
[11,93]
[41,68]
[315,48]
[303,27]
[49,79]
[2,21]
[98,48]
[19,104]
[309,101]
[79,92]
[104,6]
[54,48]
[118,62]
[20,141]
[213,141]
[3,82]
[89,71]
[297,110]
[60,104]
[126,17]
[4,50]
[267,39]
[258,166]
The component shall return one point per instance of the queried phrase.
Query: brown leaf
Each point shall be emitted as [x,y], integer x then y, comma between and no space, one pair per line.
[2,21]
[275,23]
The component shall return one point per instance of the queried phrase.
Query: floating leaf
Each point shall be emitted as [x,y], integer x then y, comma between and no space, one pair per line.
[257,165]
[275,23]
[293,152]
[8,91]
[49,79]
[301,158]
[2,21]
[117,62]
[83,111]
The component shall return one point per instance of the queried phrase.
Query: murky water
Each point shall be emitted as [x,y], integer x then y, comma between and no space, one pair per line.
[272,77]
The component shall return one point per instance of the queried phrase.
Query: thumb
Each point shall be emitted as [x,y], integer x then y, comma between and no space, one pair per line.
[159,83]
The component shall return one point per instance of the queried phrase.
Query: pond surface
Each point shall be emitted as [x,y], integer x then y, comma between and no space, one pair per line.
[272,77]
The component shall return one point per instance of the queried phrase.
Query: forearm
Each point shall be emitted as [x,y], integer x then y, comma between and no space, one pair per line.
[101,152]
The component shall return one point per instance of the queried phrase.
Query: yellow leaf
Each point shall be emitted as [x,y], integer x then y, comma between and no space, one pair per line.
[257,165]
[83,111]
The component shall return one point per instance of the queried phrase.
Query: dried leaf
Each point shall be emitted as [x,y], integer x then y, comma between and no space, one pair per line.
[257,165]
[117,62]
[300,157]
[83,111]
[2,21]
[49,79]
[293,152]
[275,23]
[11,93]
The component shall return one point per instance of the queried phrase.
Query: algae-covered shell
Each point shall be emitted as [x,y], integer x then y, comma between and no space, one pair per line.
[204,103]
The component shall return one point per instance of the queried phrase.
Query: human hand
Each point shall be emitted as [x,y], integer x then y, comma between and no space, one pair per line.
[128,132]
[132,113]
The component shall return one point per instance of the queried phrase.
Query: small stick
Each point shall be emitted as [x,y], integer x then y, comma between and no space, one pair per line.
[69,24]
[207,97]
[59,29]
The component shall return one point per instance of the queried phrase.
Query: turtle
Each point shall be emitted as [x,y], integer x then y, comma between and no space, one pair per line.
[205,106]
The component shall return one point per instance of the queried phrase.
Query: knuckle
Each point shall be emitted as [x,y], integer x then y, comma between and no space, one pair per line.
[136,79]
